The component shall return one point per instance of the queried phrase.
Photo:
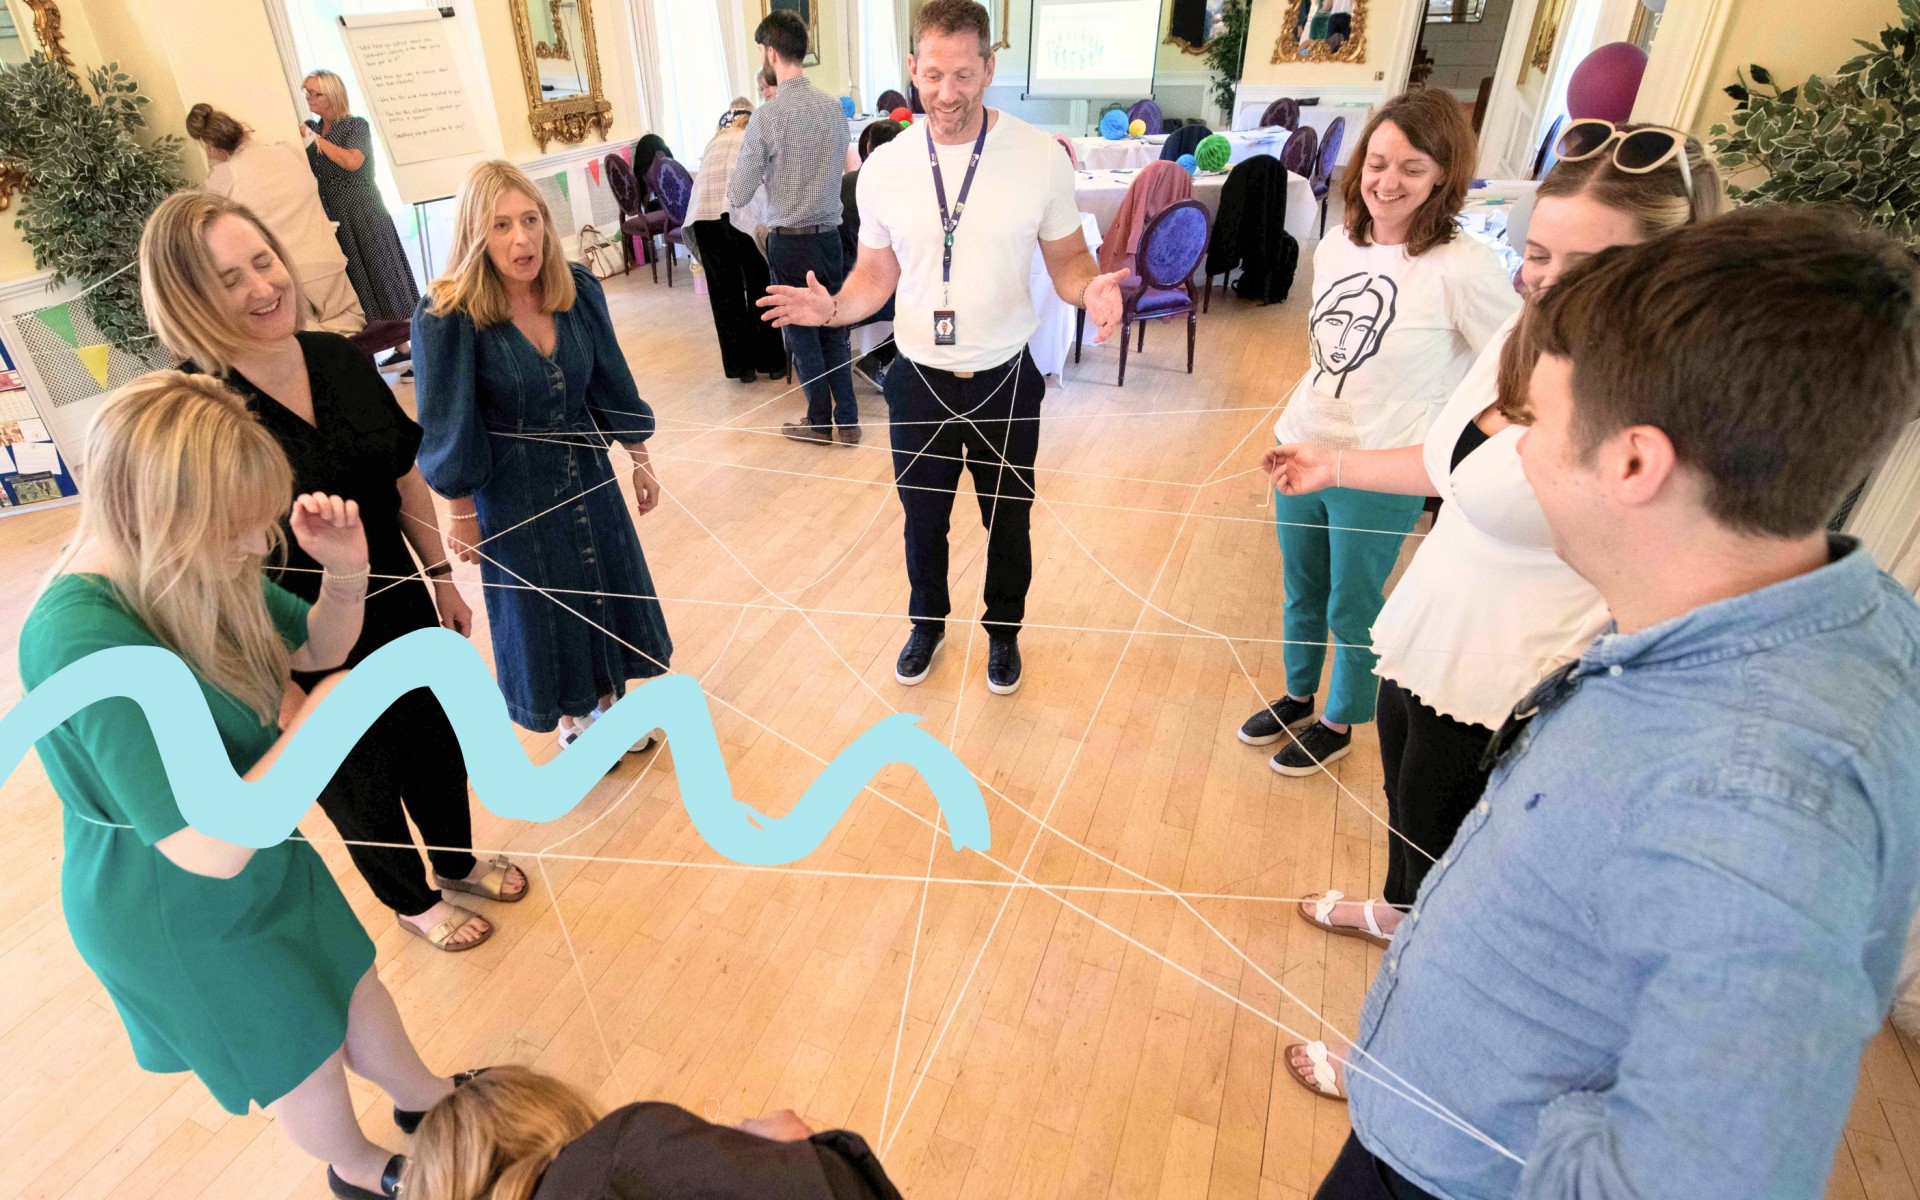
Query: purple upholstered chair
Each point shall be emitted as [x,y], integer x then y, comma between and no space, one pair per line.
[1170,248]
[888,101]
[635,221]
[1322,178]
[1148,114]
[673,184]
[1284,112]
[1301,155]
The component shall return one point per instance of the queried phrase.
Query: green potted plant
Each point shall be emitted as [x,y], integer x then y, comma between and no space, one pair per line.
[1852,138]
[1224,52]
[88,183]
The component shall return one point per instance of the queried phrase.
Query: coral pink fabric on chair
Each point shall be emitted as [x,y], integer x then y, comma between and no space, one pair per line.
[1160,185]
[1066,143]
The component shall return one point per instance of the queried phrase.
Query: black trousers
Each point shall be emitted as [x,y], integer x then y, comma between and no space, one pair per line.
[1433,780]
[408,765]
[939,421]
[737,277]
[1358,1175]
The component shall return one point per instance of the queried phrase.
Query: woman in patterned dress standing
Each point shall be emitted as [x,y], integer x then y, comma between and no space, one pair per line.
[340,151]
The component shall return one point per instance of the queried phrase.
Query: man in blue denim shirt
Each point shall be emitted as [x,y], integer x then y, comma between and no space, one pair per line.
[1650,961]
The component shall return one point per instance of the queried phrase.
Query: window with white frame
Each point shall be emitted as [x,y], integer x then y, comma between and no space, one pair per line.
[880,66]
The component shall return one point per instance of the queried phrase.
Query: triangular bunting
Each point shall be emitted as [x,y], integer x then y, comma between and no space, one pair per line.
[565,189]
[94,359]
[593,169]
[59,319]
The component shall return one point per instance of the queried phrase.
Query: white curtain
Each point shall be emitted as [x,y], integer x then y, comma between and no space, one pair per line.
[879,62]
[689,63]
[743,56]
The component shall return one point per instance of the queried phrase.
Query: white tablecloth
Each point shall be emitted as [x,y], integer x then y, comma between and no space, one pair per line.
[1099,154]
[1098,194]
[1054,338]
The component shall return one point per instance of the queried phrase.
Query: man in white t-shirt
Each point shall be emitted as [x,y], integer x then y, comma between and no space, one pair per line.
[964,388]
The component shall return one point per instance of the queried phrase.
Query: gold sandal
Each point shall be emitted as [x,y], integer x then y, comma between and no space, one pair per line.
[441,936]
[492,885]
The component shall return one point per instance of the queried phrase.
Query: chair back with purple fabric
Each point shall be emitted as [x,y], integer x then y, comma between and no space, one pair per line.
[1301,154]
[888,101]
[1148,114]
[1066,143]
[1330,152]
[622,182]
[1182,141]
[1171,245]
[673,184]
[1284,112]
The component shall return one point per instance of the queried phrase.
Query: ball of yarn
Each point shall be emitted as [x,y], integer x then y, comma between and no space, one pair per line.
[1213,152]
[906,123]
[846,105]
[1136,128]
[902,114]
[1113,126]
[1188,162]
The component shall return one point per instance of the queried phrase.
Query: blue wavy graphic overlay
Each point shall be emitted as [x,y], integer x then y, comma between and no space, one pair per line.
[217,802]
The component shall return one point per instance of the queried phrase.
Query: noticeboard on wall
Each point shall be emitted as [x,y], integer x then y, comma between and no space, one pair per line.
[32,473]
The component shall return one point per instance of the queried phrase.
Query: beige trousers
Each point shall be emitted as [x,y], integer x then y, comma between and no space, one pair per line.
[332,305]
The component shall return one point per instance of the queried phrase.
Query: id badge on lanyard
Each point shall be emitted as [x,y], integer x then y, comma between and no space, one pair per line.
[946,328]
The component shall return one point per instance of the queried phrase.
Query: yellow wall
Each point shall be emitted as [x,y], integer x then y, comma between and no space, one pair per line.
[1781,36]
[613,30]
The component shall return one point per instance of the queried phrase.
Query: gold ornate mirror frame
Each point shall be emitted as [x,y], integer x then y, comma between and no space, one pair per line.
[557,48]
[47,40]
[1286,47]
[571,119]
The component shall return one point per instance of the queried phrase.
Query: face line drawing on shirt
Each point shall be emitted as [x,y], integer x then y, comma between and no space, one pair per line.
[1348,322]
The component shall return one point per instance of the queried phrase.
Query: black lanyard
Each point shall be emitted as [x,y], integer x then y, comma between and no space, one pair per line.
[950,223]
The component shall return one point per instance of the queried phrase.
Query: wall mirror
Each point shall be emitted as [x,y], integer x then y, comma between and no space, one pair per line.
[1323,31]
[1191,24]
[560,64]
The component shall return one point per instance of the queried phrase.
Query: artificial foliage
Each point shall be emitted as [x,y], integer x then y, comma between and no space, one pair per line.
[89,182]
[1852,138]
[1224,52]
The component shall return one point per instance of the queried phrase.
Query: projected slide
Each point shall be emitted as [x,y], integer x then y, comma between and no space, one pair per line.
[1103,49]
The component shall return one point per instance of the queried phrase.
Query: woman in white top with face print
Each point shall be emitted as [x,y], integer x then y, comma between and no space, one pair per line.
[1485,609]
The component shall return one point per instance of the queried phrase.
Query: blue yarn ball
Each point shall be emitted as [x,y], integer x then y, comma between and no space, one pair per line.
[846,105]
[1188,163]
[1113,126]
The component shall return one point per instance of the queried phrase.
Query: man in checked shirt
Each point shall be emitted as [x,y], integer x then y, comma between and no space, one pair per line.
[797,145]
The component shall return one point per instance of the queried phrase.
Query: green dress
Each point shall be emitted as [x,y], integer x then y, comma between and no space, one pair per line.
[243,981]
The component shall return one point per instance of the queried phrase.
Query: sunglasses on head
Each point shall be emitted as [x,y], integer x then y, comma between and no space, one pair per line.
[1635,151]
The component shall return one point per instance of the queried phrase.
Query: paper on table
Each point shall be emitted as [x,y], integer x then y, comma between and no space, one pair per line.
[6,461]
[33,429]
[36,456]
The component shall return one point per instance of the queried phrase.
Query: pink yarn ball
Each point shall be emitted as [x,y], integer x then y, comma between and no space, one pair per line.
[1605,83]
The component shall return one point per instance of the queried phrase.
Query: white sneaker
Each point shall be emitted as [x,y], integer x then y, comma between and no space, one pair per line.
[567,737]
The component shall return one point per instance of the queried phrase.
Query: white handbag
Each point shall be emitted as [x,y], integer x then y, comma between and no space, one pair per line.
[600,253]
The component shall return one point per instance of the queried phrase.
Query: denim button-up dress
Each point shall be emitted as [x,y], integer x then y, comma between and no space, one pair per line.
[569,600]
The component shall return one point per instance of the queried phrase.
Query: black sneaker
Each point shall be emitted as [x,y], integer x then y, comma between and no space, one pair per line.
[1316,747]
[1003,665]
[1271,723]
[916,657]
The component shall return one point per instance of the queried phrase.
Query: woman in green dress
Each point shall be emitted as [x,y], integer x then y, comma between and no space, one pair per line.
[243,966]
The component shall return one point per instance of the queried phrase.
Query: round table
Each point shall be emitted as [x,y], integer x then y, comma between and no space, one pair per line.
[1098,193]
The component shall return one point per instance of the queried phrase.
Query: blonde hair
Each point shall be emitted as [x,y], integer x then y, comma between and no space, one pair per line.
[742,112]
[494,1137]
[177,472]
[471,285]
[334,89]
[180,289]
[1657,200]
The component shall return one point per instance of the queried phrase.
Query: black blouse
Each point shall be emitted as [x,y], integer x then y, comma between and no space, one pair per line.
[360,444]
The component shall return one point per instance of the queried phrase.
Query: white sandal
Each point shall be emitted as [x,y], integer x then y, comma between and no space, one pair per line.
[1322,913]
[1322,1081]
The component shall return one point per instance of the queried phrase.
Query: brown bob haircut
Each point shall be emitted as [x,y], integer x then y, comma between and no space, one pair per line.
[1777,348]
[1438,127]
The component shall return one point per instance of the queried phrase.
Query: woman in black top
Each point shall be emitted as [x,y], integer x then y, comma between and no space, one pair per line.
[218,290]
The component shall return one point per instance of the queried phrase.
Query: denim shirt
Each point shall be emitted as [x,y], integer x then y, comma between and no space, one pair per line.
[1651,959]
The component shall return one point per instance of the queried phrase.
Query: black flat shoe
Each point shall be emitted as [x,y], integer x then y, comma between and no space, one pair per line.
[389,1182]
[408,1120]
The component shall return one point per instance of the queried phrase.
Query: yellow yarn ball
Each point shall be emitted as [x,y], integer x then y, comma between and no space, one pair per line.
[1137,128]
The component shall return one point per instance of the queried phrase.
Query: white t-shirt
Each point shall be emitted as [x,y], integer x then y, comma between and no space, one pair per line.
[1486,608]
[274,180]
[1391,334]
[1022,194]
